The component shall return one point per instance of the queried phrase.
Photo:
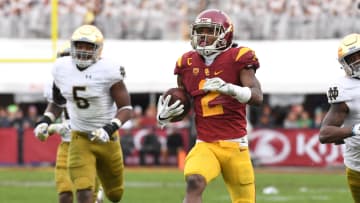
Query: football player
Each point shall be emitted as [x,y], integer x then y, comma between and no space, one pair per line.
[62,178]
[341,124]
[220,77]
[94,93]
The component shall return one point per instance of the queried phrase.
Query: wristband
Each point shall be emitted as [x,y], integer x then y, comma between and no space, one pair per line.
[50,115]
[44,119]
[113,126]
[117,122]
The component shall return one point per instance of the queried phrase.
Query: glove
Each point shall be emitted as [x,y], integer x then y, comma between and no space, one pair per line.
[103,134]
[100,135]
[217,84]
[62,128]
[41,131]
[355,130]
[41,127]
[165,112]
[242,94]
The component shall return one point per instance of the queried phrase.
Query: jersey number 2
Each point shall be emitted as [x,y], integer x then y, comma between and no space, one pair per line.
[205,100]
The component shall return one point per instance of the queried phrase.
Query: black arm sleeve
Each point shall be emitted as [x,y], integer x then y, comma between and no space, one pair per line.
[57,96]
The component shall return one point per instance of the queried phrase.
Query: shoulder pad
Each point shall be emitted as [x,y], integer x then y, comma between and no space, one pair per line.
[246,56]
[244,53]
[184,60]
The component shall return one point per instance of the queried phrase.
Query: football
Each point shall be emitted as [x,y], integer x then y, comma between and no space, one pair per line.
[179,94]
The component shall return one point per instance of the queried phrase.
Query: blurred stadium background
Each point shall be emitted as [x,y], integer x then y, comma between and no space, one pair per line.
[295,41]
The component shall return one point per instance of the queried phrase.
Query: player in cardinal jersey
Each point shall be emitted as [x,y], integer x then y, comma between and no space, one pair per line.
[98,103]
[64,185]
[341,124]
[220,77]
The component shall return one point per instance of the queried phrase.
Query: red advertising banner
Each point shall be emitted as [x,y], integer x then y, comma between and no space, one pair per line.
[36,151]
[269,147]
[293,147]
[8,146]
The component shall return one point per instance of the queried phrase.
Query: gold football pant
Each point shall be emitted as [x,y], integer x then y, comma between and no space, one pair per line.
[229,159]
[353,178]
[87,158]
[62,177]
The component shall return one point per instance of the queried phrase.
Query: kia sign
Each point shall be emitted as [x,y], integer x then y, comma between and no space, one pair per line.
[293,147]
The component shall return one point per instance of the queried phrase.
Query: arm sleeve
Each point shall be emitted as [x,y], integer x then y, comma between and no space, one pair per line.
[58,98]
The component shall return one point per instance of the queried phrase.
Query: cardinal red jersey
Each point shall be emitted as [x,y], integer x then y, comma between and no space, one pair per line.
[217,116]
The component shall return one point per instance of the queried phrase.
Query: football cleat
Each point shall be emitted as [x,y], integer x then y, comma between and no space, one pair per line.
[86,45]
[349,55]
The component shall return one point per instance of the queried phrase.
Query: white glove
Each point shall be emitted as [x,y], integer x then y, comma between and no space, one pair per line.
[217,84]
[242,94]
[41,131]
[165,112]
[62,128]
[356,129]
[100,135]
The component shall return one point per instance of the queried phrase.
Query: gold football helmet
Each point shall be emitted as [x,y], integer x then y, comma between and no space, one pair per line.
[349,54]
[64,50]
[86,45]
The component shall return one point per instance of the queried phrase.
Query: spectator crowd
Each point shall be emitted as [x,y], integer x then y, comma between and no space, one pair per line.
[170,19]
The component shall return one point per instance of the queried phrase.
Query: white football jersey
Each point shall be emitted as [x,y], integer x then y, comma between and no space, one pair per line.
[347,89]
[87,92]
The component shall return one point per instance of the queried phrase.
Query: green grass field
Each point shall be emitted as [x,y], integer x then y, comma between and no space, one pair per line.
[149,185]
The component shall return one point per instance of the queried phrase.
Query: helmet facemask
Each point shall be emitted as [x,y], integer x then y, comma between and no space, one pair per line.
[208,38]
[84,53]
[351,64]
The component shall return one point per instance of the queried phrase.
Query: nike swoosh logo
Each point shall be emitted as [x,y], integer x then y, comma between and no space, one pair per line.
[218,72]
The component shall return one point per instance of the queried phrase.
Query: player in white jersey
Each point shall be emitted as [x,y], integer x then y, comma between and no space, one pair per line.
[341,125]
[98,103]
[64,185]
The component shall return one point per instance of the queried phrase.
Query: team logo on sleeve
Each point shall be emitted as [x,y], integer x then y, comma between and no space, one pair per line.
[333,93]
[122,71]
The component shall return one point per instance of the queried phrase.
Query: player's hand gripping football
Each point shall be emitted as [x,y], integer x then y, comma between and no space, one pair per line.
[41,131]
[242,94]
[166,112]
